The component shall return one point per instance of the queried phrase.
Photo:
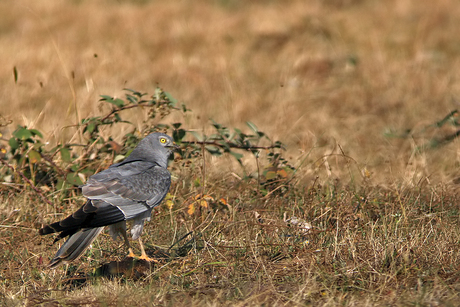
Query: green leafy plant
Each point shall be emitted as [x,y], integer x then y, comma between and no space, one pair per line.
[67,165]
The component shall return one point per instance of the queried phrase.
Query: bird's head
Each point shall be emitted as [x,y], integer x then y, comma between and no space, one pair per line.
[155,147]
[164,141]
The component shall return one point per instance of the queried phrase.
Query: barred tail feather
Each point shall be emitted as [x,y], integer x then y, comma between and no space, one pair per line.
[75,245]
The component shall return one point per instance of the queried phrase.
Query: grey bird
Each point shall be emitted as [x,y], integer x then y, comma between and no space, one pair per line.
[128,190]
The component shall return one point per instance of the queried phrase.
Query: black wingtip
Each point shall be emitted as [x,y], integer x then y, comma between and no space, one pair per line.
[49,229]
[46,230]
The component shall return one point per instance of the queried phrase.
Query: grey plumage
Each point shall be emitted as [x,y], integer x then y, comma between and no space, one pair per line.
[128,190]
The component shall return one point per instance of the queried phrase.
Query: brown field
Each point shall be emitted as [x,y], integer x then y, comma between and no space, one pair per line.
[355,89]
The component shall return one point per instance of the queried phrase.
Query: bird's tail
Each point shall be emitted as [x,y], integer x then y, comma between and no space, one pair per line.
[75,245]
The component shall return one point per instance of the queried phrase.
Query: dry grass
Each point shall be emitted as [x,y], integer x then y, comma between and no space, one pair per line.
[367,247]
[324,77]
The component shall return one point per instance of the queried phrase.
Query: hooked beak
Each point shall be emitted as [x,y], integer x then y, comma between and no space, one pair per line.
[174,147]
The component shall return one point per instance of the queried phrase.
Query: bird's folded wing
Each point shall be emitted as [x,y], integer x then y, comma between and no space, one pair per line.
[133,187]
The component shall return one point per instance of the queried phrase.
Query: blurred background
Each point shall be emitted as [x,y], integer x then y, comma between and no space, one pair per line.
[359,84]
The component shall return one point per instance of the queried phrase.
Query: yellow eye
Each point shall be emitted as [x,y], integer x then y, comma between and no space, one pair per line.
[162,140]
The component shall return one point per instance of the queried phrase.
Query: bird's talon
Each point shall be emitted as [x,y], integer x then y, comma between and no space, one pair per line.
[131,254]
[147,258]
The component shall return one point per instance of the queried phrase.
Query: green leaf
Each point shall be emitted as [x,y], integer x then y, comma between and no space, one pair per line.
[38,146]
[278,144]
[14,144]
[22,133]
[196,135]
[214,137]
[74,179]
[36,132]
[34,157]
[213,150]
[224,145]
[117,117]
[252,126]
[263,191]
[106,97]
[184,108]
[65,154]
[129,152]
[61,184]
[117,102]
[178,135]
[171,99]
[270,175]
[231,137]
[136,93]
[90,128]
[238,156]
[21,158]
[216,125]
[15,74]
[255,152]
[132,99]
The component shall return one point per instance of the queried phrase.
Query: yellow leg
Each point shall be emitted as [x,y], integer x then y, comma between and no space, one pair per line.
[130,253]
[143,253]
[130,250]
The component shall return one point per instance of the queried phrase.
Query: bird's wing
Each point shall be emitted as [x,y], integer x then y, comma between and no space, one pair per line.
[94,213]
[133,187]
[122,192]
